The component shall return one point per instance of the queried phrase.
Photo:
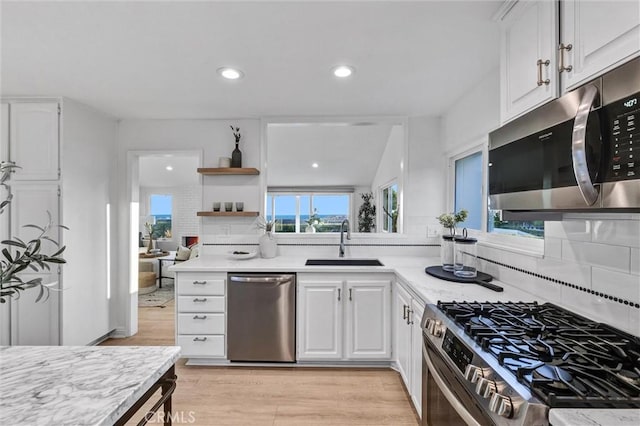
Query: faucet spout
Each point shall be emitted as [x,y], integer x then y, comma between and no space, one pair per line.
[344,222]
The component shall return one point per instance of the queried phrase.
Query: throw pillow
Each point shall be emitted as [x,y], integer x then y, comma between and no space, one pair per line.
[183,253]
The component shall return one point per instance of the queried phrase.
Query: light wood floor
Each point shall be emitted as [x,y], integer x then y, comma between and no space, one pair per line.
[275,396]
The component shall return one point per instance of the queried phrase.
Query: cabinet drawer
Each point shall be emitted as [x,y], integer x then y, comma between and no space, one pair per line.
[202,345]
[200,284]
[201,304]
[200,323]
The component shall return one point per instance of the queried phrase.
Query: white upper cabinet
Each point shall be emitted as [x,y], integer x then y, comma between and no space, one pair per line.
[549,48]
[368,319]
[529,34]
[33,140]
[602,35]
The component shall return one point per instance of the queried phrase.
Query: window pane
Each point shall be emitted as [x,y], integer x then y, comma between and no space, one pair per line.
[331,210]
[468,190]
[269,211]
[534,229]
[160,207]
[390,208]
[285,213]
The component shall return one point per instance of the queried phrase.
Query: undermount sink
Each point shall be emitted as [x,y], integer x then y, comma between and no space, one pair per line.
[343,262]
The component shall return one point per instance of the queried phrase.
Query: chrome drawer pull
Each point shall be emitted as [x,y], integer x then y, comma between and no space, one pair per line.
[200,300]
[199,282]
[199,317]
[198,339]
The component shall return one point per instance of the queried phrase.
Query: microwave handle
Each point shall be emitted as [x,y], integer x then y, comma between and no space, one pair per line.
[457,405]
[578,146]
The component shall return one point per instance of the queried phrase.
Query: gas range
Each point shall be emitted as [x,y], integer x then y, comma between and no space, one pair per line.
[514,361]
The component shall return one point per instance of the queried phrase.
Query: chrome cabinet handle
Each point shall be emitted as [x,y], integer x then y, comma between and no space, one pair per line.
[404,312]
[198,339]
[540,63]
[338,295]
[579,149]
[409,313]
[561,48]
[350,298]
[199,282]
[200,300]
[199,317]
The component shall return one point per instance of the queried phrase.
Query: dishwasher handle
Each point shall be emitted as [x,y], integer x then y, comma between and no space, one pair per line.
[281,279]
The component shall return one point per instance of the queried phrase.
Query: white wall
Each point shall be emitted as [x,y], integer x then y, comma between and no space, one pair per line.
[424,193]
[584,254]
[88,161]
[211,137]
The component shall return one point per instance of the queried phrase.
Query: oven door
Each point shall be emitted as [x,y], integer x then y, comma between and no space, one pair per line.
[445,402]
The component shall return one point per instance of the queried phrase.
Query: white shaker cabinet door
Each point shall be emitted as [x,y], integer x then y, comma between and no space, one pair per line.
[528,68]
[368,319]
[602,35]
[402,333]
[417,310]
[320,320]
[33,140]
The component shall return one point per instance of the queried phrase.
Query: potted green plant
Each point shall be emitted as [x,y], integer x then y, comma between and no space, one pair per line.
[450,220]
[19,256]
[366,213]
[313,221]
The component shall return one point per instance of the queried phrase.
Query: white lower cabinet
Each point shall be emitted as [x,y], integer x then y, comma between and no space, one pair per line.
[344,317]
[407,315]
[201,314]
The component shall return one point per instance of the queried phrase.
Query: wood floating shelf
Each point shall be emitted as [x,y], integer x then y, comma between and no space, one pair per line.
[228,171]
[229,214]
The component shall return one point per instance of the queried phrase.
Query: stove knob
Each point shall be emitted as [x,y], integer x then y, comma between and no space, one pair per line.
[435,327]
[501,405]
[472,373]
[485,387]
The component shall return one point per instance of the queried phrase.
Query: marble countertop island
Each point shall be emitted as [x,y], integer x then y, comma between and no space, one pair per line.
[77,385]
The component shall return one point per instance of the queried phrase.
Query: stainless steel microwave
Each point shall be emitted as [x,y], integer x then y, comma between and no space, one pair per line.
[579,152]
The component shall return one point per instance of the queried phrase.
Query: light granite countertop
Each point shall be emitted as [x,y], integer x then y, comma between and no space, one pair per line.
[409,269]
[77,385]
[594,417]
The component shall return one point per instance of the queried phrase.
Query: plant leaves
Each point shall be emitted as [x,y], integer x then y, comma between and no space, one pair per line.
[14,243]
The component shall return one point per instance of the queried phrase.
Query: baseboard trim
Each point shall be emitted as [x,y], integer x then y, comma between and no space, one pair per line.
[101,338]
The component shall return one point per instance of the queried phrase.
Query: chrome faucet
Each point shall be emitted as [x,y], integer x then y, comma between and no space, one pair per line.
[346,221]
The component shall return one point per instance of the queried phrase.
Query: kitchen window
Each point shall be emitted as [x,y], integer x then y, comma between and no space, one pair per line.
[390,208]
[302,212]
[468,189]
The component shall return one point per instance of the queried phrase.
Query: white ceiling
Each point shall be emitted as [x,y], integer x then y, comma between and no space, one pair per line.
[338,150]
[159,59]
[154,173]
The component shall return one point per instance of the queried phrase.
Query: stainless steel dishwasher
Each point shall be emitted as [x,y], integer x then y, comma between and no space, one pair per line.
[261,317]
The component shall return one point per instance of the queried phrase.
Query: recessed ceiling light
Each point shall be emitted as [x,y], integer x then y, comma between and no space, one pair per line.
[169,168]
[230,73]
[343,71]
[314,165]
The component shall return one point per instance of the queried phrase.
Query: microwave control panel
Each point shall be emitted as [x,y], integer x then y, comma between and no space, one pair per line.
[623,117]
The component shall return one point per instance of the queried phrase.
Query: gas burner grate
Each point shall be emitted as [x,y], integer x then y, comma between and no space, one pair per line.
[565,359]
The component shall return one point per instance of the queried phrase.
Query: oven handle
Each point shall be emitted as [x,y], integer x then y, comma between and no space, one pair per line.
[460,409]
[578,146]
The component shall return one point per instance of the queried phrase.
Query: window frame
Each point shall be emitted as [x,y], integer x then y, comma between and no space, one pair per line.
[298,218]
[514,243]
[171,196]
[382,219]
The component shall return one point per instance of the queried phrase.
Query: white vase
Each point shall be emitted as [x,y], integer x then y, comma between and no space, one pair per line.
[310,229]
[268,246]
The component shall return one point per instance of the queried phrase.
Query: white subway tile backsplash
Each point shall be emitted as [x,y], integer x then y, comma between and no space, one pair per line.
[597,308]
[552,248]
[617,232]
[625,286]
[607,256]
[569,272]
[577,230]
[635,261]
